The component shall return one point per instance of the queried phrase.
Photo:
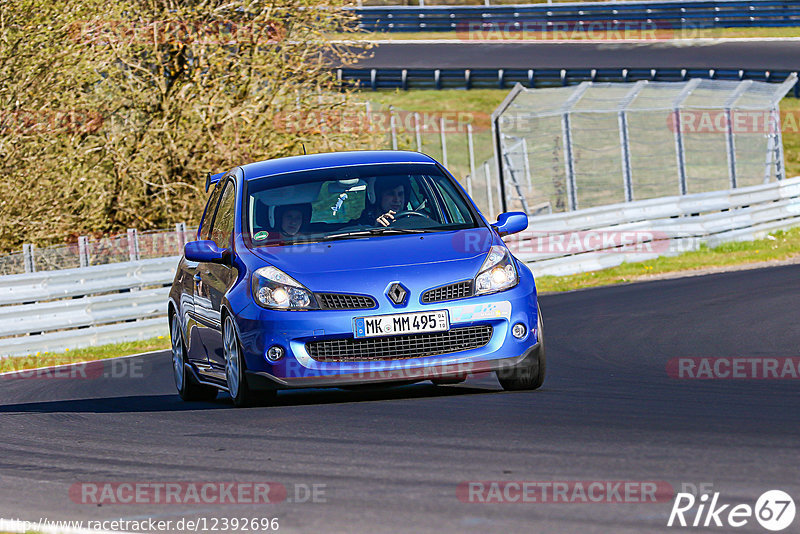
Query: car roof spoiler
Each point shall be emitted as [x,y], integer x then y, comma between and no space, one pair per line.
[212,179]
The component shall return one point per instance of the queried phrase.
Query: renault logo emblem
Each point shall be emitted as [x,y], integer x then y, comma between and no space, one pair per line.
[397,293]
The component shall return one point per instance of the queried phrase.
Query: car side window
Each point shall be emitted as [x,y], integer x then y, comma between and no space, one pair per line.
[222,227]
[208,214]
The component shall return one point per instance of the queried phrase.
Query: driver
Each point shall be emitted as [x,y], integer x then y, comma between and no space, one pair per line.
[391,196]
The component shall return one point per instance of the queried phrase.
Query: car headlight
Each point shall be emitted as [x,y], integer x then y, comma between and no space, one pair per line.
[273,288]
[497,273]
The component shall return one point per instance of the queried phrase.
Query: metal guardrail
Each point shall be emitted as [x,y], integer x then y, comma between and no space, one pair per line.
[535,78]
[72,308]
[590,239]
[674,14]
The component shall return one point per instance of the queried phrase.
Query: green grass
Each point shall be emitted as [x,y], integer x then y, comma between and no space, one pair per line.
[689,33]
[44,359]
[784,245]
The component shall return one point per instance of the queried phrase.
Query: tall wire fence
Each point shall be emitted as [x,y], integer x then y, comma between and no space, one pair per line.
[603,143]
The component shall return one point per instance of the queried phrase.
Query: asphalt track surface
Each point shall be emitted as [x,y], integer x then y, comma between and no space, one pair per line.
[392,459]
[699,54]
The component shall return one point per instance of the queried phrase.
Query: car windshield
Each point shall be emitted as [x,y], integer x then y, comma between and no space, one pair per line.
[354,202]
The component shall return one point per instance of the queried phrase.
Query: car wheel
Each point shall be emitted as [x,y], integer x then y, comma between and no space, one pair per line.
[188,388]
[235,368]
[529,374]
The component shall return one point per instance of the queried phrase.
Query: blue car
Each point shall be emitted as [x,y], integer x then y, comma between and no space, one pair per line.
[349,269]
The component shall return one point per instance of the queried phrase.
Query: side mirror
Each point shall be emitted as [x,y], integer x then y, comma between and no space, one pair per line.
[510,223]
[204,251]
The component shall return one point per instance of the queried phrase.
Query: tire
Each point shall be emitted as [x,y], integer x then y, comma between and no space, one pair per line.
[240,391]
[529,374]
[188,388]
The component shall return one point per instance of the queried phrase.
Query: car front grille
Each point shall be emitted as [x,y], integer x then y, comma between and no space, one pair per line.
[458,290]
[339,301]
[400,347]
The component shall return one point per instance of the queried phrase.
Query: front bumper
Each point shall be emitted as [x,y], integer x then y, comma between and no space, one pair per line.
[259,329]
[259,380]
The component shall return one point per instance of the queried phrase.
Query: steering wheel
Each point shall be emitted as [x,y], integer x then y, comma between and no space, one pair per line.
[409,213]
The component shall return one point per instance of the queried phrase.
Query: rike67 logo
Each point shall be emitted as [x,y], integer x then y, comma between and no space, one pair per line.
[774,510]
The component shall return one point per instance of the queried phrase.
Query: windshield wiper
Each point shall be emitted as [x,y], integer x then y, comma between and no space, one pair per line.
[376,231]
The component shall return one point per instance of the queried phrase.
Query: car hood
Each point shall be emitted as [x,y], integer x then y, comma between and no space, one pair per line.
[355,265]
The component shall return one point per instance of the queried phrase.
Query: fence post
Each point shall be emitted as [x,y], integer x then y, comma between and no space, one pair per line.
[488,174]
[83,250]
[180,229]
[471,147]
[526,164]
[417,132]
[730,145]
[28,257]
[393,128]
[569,155]
[680,153]
[444,141]
[569,163]
[133,244]
[776,122]
[626,155]
[624,139]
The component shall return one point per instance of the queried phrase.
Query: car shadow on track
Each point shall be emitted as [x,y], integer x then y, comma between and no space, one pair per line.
[173,403]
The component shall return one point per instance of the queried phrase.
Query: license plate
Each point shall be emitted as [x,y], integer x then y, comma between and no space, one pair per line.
[401,323]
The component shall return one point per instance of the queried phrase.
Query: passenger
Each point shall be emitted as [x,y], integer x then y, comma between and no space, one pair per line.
[290,221]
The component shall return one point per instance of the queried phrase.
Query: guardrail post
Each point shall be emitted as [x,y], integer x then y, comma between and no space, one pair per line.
[28,258]
[444,141]
[133,244]
[471,148]
[83,250]
[417,132]
[180,230]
